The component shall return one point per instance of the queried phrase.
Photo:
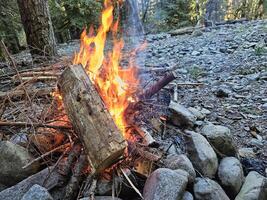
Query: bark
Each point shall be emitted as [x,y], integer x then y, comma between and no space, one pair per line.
[90,119]
[37,24]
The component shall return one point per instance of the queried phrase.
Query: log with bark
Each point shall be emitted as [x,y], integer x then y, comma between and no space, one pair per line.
[90,118]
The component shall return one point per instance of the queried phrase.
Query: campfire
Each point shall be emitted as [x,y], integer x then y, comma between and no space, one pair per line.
[98,92]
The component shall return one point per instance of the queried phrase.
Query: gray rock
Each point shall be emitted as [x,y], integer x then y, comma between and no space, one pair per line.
[181,162]
[201,154]
[165,184]
[101,198]
[13,157]
[181,116]
[195,53]
[207,189]
[221,139]
[20,139]
[222,92]
[196,112]
[246,152]
[36,192]
[197,33]
[257,143]
[187,196]
[205,111]
[254,188]
[231,175]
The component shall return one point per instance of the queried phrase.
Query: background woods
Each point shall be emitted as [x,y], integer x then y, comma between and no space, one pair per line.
[69,17]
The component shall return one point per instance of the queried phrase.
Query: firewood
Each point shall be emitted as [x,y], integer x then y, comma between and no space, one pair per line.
[148,140]
[158,86]
[90,118]
[72,188]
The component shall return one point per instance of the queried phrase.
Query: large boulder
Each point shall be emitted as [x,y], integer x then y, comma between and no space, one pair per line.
[231,175]
[207,189]
[254,188]
[174,161]
[165,183]
[13,158]
[181,116]
[221,139]
[201,154]
[37,192]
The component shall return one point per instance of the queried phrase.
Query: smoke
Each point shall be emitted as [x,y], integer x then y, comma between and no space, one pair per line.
[134,30]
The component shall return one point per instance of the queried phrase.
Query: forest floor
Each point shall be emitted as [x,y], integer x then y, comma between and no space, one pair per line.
[231,62]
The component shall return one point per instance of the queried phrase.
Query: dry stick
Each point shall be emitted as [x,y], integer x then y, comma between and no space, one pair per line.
[18,92]
[39,73]
[16,70]
[10,123]
[46,154]
[130,182]
[158,86]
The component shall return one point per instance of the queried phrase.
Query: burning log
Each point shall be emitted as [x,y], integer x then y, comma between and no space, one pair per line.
[158,85]
[90,118]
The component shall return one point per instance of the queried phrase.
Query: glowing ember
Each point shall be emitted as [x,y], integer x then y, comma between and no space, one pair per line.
[116,85]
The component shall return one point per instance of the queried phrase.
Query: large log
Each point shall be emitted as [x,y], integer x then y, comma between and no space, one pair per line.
[90,118]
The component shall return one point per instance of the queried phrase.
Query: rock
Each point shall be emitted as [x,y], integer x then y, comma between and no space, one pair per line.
[257,143]
[187,196]
[222,92]
[205,111]
[195,53]
[197,33]
[165,183]
[231,175]
[254,188]
[221,139]
[207,189]
[264,106]
[181,116]
[13,157]
[196,112]
[201,154]
[181,162]
[101,198]
[20,139]
[37,192]
[253,164]
[247,152]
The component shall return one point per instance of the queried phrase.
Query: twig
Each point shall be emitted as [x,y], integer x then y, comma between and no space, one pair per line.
[46,154]
[130,182]
[18,93]
[16,70]
[10,123]
[188,83]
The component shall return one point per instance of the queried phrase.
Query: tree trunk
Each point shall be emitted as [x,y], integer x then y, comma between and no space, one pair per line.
[91,120]
[37,24]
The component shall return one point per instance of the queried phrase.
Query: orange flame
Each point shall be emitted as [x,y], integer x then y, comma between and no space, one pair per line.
[116,85]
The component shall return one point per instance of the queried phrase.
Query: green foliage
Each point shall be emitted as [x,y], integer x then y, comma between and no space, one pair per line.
[196,72]
[74,15]
[260,50]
